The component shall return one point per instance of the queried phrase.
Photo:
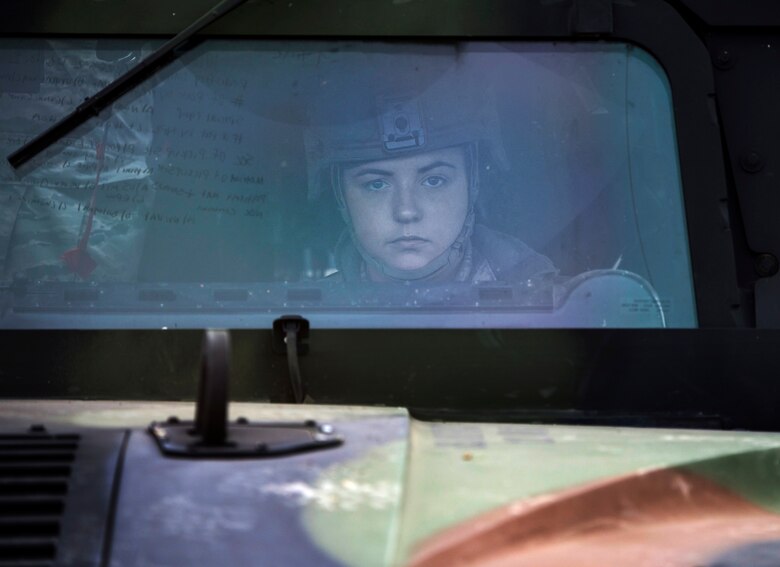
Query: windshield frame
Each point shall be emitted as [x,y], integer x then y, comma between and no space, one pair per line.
[603,380]
[679,52]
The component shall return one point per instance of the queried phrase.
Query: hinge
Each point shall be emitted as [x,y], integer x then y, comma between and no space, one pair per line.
[211,435]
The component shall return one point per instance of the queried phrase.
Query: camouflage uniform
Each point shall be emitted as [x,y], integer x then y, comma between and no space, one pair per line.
[490,256]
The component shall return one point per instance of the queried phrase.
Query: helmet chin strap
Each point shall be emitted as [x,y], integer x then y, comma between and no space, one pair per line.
[451,256]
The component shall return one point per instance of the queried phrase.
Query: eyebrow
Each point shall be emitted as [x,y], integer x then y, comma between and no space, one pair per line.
[434,165]
[372,171]
[386,173]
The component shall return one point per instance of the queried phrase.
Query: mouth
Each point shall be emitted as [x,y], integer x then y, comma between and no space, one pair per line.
[409,240]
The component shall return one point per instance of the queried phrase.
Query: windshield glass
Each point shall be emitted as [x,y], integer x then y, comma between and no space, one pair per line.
[358,184]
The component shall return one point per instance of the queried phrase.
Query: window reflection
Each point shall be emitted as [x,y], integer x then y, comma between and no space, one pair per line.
[537,182]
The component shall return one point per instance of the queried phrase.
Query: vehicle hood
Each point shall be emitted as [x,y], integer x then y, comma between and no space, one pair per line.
[400,491]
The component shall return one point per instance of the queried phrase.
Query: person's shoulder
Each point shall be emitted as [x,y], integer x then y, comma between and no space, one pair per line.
[509,257]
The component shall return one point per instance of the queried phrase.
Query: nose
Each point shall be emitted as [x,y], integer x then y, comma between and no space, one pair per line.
[406,207]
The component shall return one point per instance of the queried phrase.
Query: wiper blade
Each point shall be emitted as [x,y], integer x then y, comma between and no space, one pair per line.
[92,106]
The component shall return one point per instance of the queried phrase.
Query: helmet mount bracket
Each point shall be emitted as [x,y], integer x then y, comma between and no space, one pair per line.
[401,124]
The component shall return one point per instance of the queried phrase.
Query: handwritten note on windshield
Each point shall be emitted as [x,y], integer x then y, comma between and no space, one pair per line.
[183,149]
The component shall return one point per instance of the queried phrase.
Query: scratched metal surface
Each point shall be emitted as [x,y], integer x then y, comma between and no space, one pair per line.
[395,486]
[247,512]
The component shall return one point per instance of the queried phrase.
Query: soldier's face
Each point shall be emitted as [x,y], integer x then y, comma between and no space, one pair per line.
[407,211]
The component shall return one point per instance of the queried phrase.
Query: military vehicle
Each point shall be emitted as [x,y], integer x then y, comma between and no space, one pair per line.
[389,282]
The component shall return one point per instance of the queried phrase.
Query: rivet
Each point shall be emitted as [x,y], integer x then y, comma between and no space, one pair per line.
[766,265]
[752,162]
[724,59]
[326,429]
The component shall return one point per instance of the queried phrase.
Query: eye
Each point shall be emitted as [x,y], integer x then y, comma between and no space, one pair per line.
[376,185]
[434,181]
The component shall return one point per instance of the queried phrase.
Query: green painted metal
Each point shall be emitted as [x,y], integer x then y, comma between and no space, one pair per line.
[753,475]
[375,508]
[520,461]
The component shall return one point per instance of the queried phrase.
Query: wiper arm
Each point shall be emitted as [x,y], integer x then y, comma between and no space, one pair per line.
[92,106]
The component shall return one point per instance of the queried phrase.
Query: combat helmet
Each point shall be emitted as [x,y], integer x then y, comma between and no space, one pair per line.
[379,105]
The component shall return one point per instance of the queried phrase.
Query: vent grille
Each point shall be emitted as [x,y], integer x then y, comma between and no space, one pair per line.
[35,471]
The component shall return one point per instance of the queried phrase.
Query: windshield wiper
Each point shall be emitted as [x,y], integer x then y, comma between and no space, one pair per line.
[92,106]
